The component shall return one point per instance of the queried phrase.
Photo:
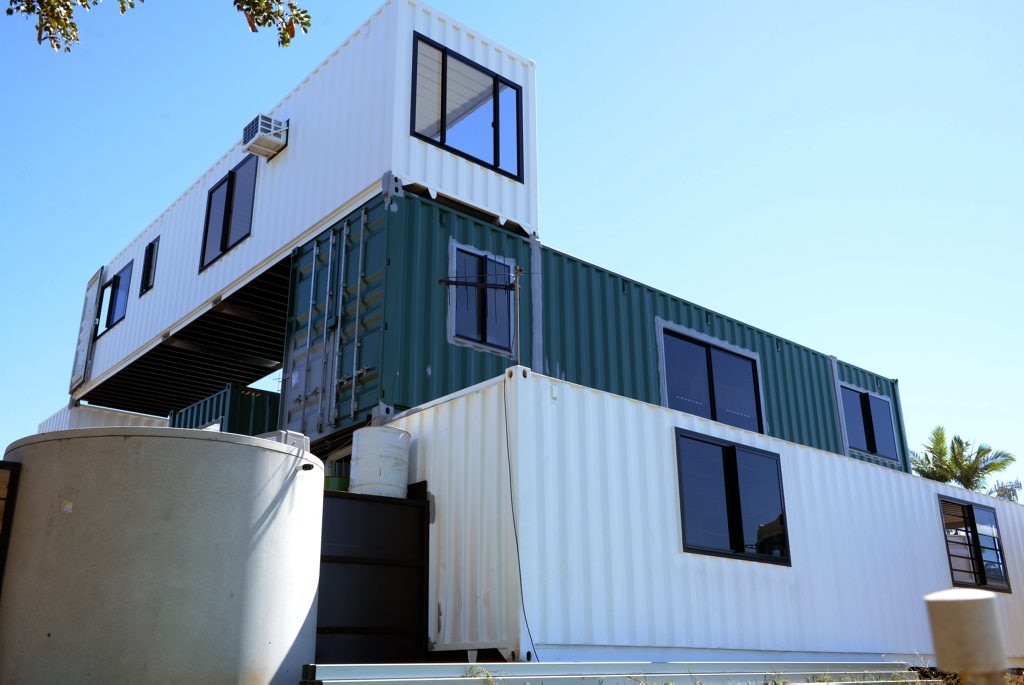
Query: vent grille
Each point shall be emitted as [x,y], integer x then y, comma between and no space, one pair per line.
[265,136]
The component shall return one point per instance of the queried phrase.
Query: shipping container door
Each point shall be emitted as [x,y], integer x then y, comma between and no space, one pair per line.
[304,384]
[86,332]
[332,357]
[357,393]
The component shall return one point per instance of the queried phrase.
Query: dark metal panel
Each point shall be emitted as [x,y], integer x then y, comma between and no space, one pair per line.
[372,599]
[9,474]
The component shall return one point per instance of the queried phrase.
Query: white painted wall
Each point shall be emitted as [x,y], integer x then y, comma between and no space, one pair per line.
[600,538]
[155,555]
[350,123]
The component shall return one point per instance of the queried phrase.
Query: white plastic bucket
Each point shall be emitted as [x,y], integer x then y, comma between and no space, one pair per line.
[380,462]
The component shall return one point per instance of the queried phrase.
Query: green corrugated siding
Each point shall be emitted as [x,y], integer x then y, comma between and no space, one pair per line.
[245,411]
[886,387]
[419,361]
[600,331]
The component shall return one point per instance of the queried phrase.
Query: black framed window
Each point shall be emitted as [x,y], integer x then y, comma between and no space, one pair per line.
[712,382]
[114,299]
[869,425]
[466,109]
[149,266]
[481,299]
[8,490]
[229,208]
[731,499]
[973,545]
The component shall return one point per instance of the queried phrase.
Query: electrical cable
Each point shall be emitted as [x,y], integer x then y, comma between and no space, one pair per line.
[515,526]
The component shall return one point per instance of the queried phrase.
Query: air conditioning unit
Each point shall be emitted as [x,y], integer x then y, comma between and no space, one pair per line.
[264,136]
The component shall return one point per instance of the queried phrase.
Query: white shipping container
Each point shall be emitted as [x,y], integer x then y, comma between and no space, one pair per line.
[349,124]
[591,521]
[84,416]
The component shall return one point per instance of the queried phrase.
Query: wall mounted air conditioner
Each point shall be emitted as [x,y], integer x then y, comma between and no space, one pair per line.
[264,136]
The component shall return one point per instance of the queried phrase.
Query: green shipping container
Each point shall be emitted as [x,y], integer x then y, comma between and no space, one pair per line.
[378,311]
[371,329]
[236,409]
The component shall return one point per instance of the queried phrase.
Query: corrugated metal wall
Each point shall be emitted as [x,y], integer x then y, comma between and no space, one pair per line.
[887,387]
[349,124]
[400,354]
[420,162]
[85,416]
[333,354]
[335,151]
[459,448]
[600,535]
[600,331]
[420,363]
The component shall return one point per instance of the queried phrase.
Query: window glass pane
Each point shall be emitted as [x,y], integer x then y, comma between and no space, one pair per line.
[105,298]
[5,479]
[215,222]
[855,433]
[508,129]
[469,110]
[986,521]
[702,488]
[427,120]
[686,376]
[149,266]
[498,304]
[881,420]
[736,401]
[119,298]
[764,523]
[242,195]
[467,298]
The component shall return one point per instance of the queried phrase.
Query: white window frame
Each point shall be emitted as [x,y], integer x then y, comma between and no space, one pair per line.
[453,248]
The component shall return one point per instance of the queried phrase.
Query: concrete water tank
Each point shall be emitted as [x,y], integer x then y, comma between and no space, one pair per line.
[156,555]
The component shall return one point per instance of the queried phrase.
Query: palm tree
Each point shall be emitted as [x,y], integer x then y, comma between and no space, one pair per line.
[934,463]
[959,462]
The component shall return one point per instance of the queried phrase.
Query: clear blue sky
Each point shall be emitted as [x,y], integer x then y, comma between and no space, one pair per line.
[847,175]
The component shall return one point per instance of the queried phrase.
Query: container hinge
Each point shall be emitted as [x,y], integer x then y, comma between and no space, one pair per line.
[391,187]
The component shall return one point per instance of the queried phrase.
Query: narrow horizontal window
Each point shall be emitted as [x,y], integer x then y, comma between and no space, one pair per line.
[466,109]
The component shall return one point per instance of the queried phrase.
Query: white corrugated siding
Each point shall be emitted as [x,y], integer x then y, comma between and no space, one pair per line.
[420,162]
[458,448]
[601,544]
[347,129]
[85,416]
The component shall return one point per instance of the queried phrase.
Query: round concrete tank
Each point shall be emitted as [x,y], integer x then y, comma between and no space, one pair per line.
[156,555]
[380,462]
